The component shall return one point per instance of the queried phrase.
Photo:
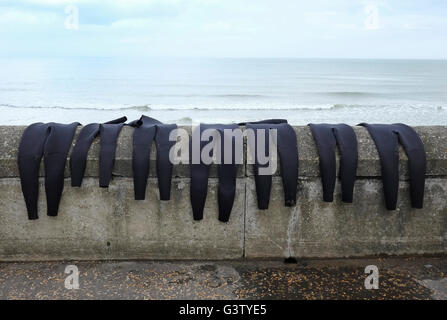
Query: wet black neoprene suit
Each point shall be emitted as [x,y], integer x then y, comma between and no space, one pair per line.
[78,157]
[327,137]
[288,155]
[226,172]
[386,137]
[52,141]
[109,136]
[146,131]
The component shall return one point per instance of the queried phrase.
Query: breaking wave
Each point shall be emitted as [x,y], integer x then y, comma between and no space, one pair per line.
[310,107]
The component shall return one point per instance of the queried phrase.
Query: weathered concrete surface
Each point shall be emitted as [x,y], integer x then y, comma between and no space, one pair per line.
[434,138]
[96,223]
[10,138]
[399,278]
[318,229]
[99,223]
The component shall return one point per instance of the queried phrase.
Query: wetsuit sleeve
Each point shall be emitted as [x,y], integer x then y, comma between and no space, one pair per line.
[263,182]
[386,142]
[117,121]
[109,135]
[347,143]
[143,137]
[269,121]
[288,156]
[164,164]
[227,174]
[199,177]
[417,162]
[78,157]
[326,143]
[142,142]
[31,150]
[56,149]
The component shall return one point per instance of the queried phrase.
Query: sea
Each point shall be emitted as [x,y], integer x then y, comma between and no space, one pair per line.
[223,90]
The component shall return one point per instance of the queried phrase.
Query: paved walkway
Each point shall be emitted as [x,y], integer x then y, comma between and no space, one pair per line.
[399,278]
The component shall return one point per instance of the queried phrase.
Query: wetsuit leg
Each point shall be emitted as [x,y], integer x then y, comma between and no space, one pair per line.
[199,176]
[143,136]
[56,149]
[327,136]
[31,150]
[227,190]
[263,182]
[78,157]
[227,173]
[347,143]
[326,143]
[417,162]
[387,146]
[109,134]
[164,164]
[288,156]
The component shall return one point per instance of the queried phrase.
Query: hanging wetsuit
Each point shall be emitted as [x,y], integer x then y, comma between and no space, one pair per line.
[386,137]
[288,155]
[327,137]
[146,131]
[227,170]
[164,165]
[109,135]
[78,157]
[52,141]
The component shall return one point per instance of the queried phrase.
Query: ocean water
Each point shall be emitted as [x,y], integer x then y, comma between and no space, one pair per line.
[190,90]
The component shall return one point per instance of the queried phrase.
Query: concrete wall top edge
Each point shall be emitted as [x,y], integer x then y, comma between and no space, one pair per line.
[434,138]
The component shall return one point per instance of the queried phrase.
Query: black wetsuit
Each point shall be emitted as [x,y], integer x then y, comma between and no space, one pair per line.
[386,137]
[52,141]
[327,137]
[109,136]
[227,171]
[164,164]
[78,157]
[146,131]
[288,155]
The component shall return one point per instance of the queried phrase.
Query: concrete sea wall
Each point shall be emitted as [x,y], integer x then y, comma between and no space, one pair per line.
[95,223]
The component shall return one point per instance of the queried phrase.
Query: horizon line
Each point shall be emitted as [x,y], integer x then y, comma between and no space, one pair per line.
[218,57]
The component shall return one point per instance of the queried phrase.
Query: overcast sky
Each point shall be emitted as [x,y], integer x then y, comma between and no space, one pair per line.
[225,28]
